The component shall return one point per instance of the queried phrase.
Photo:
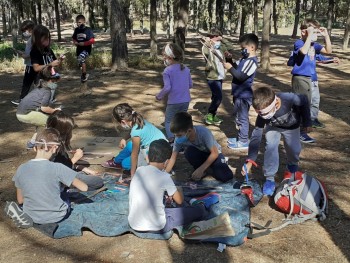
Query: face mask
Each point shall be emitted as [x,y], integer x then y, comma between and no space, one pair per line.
[167,62]
[82,26]
[26,34]
[217,45]
[52,85]
[269,115]
[244,53]
[314,38]
[125,126]
[182,139]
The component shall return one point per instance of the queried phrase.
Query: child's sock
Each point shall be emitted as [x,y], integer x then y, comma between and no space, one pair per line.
[207,200]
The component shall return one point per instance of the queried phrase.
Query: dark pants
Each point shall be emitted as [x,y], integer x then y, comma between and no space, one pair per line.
[196,158]
[29,77]
[241,112]
[216,95]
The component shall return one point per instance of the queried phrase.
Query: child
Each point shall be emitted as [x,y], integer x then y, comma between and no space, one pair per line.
[35,107]
[243,73]
[65,125]
[42,55]
[280,114]
[215,73]
[201,149]
[29,74]
[304,67]
[177,84]
[83,38]
[38,183]
[147,189]
[142,133]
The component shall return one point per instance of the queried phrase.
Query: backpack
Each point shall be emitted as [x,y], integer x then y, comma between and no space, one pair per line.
[302,196]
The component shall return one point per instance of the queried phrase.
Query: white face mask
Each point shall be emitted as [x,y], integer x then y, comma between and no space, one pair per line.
[269,115]
[125,126]
[26,34]
[269,111]
[167,62]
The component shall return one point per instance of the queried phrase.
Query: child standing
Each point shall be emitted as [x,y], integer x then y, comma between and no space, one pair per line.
[42,55]
[243,73]
[280,114]
[29,74]
[83,39]
[142,134]
[147,190]
[215,73]
[64,124]
[177,84]
[38,183]
[304,67]
[201,149]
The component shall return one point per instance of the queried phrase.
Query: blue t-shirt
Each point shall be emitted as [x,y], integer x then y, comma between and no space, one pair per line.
[147,134]
[305,65]
[243,73]
[83,35]
[204,141]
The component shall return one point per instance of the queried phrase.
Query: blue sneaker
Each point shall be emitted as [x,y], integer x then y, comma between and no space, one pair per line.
[238,145]
[305,138]
[269,188]
[207,200]
[231,140]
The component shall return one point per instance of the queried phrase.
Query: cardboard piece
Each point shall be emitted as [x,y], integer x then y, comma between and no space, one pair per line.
[97,149]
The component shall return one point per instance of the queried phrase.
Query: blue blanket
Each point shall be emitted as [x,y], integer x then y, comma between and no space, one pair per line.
[106,213]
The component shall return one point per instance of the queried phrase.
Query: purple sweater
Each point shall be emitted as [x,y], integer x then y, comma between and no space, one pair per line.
[177,84]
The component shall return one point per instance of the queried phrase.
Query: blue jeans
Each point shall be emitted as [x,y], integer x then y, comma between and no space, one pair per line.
[196,158]
[292,147]
[171,110]
[216,95]
[124,157]
[241,113]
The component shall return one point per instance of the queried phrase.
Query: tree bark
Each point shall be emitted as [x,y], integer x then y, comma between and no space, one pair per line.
[243,20]
[4,26]
[33,12]
[229,16]
[40,21]
[118,35]
[296,18]
[181,8]
[330,13]
[256,17]
[210,13]
[105,14]
[91,20]
[153,29]
[220,14]
[275,17]
[58,20]
[347,30]
[170,18]
[265,45]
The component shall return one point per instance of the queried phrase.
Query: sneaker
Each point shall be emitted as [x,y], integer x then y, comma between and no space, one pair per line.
[269,188]
[317,124]
[238,145]
[84,77]
[111,164]
[15,102]
[305,138]
[209,119]
[231,140]
[217,120]
[20,218]
[30,145]
[207,200]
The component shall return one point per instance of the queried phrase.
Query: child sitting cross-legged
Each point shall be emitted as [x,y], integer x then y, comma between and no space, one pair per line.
[38,184]
[201,149]
[147,212]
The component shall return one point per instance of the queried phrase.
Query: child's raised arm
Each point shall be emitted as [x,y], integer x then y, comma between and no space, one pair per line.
[80,185]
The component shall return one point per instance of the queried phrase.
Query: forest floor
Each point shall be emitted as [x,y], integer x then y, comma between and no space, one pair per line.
[327,159]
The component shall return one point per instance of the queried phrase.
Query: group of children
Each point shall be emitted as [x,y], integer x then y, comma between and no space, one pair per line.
[147,153]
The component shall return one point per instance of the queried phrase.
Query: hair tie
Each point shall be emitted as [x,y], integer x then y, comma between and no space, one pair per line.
[133,112]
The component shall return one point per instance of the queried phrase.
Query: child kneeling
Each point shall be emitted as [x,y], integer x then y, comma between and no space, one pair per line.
[38,183]
[147,212]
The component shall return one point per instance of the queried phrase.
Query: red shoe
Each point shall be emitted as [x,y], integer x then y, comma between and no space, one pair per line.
[111,164]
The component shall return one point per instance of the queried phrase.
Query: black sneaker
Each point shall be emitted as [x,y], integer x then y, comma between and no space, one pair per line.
[317,124]
[84,77]
[20,218]
[15,102]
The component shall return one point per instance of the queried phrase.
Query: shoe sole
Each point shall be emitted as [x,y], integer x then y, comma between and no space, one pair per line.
[15,103]
[237,148]
[20,218]
[307,141]
[86,79]
[318,127]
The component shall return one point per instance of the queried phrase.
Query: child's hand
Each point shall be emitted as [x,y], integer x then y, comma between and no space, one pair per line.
[89,171]
[197,174]
[310,31]
[227,65]
[122,144]
[336,60]
[249,167]
[78,154]
[323,31]
[227,54]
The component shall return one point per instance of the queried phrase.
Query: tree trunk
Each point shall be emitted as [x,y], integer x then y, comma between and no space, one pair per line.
[229,16]
[256,17]
[127,16]
[91,20]
[220,14]
[20,12]
[3,14]
[265,45]
[239,19]
[347,30]
[33,13]
[296,18]
[105,14]
[153,29]
[313,9]
[181,9]
[118,35]
[330,13]
[58,22]
[210,13]
[14,26]
[40,21]
[275,17]
[243,20]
